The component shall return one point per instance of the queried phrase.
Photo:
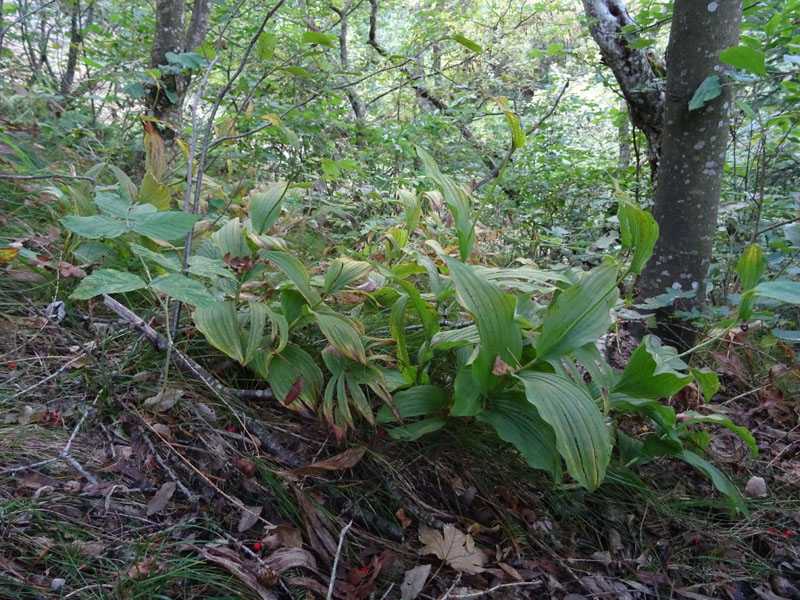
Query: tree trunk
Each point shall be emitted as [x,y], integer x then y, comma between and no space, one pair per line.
[75,40]
[166,99]
[2,29]
[692,160]
[640,84]
[624,137]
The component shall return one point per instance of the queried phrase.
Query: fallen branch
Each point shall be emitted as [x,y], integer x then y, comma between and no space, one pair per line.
[161,343]
[185,363]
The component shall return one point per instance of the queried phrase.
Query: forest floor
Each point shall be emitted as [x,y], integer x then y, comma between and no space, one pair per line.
[110,489]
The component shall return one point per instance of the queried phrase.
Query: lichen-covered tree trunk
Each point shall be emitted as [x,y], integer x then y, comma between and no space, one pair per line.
[639,82]
[692,159]
[166,99]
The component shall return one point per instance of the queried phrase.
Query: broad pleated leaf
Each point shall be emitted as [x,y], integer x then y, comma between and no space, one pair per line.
[518,422]
[290,365]
[750,268]
[203,266]
[457,200]
[722,483]
[579,315]
[341,333]
[425,310]
[494,317]
[418,401]
[582,437]
[467,397]
[95,227]
[258,320]
[107,281]
[344,271]
[412,209]
[168,226]
[265,208]
[639,230]
[781,289]
[220,326]
[229,240]
[654,371]
[295,271]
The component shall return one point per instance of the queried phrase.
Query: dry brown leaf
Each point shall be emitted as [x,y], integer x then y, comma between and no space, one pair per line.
[163,430]
[319,537]
[229,559]
[284,559]
[414,581]
[143,569]
[405,521]
[455,548]
[163,400]
[160,498]
[282,536]
[512,573]
[249,517]
[246,466]
[501,367]
[343,460]
[87,549]
[36,480]
[69,270]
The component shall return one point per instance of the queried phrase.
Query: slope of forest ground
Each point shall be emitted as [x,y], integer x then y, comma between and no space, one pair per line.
[109,489]
[340,299]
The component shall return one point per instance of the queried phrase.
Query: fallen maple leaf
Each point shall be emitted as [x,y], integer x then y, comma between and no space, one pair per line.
[455,548]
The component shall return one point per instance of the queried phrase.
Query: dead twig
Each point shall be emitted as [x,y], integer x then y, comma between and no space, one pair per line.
[48,378]
[64,454]
[336,560]
[493,589]
[192,498]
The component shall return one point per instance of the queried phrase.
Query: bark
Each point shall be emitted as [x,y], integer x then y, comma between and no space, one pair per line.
[624,138]
[642,88]
[356,103]
[171,35]
[692,160]
[2,29]
[76,30]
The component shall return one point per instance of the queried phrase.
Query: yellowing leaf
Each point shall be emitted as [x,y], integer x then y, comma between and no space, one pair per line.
[8,254]
[455,548]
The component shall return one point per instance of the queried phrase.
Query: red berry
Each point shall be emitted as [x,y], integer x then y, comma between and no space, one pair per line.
[363,570]
[788,533]
[257,546]
[11,365]
[231,429]
[382,432]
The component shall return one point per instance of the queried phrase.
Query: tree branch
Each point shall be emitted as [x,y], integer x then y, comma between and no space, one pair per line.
[496,171]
